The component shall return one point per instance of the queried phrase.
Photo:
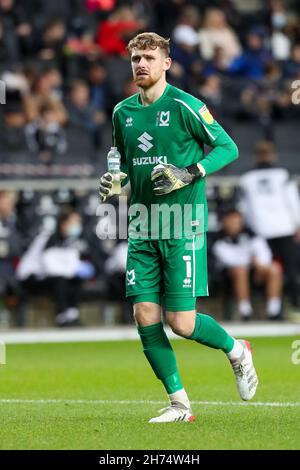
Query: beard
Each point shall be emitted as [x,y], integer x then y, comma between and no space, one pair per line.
[145,81]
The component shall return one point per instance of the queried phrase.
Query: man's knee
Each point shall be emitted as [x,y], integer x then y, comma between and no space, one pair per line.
[238,271]
[276,269]
[182,323]
[146,313]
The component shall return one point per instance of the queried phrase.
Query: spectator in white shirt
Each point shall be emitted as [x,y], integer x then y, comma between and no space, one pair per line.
[270,204]
[243,255]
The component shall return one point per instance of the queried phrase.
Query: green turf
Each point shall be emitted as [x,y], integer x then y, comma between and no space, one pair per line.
[118,371]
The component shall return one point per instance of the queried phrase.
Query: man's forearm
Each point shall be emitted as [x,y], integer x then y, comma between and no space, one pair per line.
[220,156]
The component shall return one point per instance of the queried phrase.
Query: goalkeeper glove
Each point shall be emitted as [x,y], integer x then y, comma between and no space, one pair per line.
[106,185]
[168,178]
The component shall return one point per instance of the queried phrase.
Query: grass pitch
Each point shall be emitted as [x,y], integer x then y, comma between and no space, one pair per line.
[101,395]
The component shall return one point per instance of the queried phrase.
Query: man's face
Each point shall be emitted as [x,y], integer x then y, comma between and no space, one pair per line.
[148,66]
[233,224]
[7,203]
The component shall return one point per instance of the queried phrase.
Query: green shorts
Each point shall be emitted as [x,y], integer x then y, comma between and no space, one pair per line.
[172,273]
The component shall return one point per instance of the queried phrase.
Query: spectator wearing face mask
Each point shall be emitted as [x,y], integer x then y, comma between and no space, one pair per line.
[60,262]
[45,136]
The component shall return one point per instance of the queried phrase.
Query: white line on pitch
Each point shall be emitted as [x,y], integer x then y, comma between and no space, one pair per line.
[147,402]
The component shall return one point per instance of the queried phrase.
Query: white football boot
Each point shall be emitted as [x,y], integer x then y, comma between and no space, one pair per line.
[174,413]
[244,371]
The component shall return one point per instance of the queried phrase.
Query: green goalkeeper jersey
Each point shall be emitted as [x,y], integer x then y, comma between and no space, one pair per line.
[171,130]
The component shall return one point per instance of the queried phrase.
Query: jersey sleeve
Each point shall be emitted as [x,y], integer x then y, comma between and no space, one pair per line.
[204,128]
[118,142]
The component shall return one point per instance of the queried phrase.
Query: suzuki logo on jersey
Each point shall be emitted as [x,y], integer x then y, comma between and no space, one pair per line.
[145,139]
[130,275]
[163,118]
[149,160]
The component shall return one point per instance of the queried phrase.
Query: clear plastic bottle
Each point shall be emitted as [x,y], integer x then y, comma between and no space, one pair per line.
[113,166]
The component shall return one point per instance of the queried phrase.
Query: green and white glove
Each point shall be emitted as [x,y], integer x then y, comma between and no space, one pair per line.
[106,185]
[168,178]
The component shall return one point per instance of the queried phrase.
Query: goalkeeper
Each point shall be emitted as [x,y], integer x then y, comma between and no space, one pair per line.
[160,133]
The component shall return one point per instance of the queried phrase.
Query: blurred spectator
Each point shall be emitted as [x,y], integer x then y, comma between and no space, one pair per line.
[60,262]
[216,33]
[82,113]
[210,91]
[79,51]
[251,63]
[55,82]
[264,101]
[101,5]
[245,14]
[114,33]
[16,85]
[167,13]
[216,64]
[9,51]
[36,213]
[99,87]
[13,16]
[244,255]
[44,93]
[278,14]
[280,45]
[12,132]
[184,49]
[82,46]
[292,66]
[10,251]
[45,136]
[280,41]
[271,206]
[51,42]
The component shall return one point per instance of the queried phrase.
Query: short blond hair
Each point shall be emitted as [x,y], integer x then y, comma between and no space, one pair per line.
[149,41]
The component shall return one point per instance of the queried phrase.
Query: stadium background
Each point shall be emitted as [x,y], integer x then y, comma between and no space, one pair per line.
[65,66]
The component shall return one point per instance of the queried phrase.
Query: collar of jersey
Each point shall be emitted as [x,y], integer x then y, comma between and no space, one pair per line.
[140,105]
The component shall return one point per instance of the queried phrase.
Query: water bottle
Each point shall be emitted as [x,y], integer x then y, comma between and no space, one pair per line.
[113,165]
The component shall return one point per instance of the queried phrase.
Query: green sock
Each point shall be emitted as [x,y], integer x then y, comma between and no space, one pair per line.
[160,355]
[208,332]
